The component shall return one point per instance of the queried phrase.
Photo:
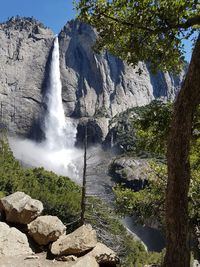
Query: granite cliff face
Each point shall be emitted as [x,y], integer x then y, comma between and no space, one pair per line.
[94,86]
[24,50]
[103,85]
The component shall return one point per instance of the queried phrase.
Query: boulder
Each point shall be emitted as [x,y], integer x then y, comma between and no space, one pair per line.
[71,258]
[132,172]
[81,240]
[13,242]
[20,208]
[86,261]
[104,255]
[46,229]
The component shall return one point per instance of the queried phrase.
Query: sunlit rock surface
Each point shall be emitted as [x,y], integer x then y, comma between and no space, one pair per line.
[94,86]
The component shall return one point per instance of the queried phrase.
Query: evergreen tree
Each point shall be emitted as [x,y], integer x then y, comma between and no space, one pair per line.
[152,31]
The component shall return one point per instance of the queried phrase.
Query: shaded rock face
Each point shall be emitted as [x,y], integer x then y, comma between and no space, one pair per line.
[97,129]
[25,45]
[94,86]
[103,85]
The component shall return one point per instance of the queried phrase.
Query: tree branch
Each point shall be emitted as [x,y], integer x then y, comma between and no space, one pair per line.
[189,23]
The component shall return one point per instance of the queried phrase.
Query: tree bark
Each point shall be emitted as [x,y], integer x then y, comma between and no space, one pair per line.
[83,196]
[177,227]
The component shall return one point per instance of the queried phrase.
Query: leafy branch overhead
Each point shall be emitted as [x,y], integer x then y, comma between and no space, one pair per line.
[146,30]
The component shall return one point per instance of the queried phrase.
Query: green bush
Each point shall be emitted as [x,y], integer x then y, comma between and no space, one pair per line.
[59,194]
[112,233]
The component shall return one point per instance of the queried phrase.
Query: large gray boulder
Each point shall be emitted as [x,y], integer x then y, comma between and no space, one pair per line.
[81,240]
[133,172]
[20,208]
[13,242]
[46,229]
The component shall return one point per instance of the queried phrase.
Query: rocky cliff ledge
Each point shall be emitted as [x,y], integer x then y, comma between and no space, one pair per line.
[94,86]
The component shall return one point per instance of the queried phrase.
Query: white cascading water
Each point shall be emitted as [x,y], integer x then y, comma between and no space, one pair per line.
[59,133]
[57,152]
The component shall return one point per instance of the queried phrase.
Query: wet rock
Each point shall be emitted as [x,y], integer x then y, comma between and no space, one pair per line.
[20,208]
[80,241]
[46,229]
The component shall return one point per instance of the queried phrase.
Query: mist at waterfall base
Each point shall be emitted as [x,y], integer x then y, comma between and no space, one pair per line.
[57,152]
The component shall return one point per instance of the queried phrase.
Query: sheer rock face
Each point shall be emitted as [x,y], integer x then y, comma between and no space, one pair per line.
[24,50]
[103,85]
[97,86]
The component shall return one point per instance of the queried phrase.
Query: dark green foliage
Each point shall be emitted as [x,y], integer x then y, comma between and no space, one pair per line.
[61,197]
[148,204]
[144,129]
[144,30]
[59,194]
[112,233]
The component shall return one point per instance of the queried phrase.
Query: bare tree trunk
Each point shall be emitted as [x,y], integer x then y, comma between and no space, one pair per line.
[177,227]
[83,197]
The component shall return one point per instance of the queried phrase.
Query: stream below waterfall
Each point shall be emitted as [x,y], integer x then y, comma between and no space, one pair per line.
[100,183]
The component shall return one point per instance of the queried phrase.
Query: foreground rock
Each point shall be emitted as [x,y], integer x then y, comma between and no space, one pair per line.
[20,208]
[81,240]
[37,260]
[86,261]
[12,241]
[46,229]
[104,255]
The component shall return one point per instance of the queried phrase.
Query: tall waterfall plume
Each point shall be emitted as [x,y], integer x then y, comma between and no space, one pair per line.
[57,152]
[59,132]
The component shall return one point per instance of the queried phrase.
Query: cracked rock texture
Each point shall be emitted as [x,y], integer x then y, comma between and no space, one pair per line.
[24,49]
[103,85]
[12,242]
[94,86]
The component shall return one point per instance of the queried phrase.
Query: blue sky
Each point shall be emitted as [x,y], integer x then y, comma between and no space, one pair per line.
[52,13]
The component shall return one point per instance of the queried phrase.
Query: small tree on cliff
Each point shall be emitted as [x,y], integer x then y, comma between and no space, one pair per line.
[152,31]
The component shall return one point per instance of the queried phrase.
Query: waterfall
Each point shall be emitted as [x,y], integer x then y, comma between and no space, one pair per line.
[59,132]
[57,152]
